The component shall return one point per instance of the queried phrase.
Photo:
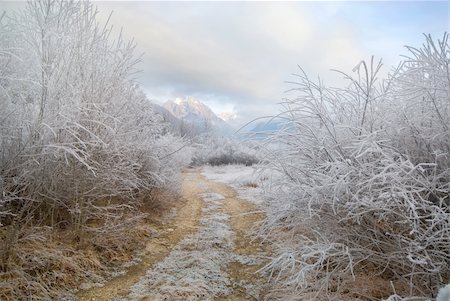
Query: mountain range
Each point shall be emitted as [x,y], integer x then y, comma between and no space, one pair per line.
[191,117]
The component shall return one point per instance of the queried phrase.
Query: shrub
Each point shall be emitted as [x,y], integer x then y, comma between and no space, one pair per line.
[79,141]
[224,151]
[365,184]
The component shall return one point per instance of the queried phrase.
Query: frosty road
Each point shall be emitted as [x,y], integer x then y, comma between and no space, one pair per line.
[206,252]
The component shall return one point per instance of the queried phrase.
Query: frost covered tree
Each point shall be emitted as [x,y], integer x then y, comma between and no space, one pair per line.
[79,141]
[365,183]
[215,150]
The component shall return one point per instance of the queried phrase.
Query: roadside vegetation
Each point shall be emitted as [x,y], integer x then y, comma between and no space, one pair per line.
[217,151]
[81,150]
[362,209]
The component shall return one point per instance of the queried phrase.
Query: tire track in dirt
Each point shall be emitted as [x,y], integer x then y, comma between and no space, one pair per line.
[185,222]
[247,285]
[239,266]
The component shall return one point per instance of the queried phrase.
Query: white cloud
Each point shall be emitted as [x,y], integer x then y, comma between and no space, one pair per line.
[238,55]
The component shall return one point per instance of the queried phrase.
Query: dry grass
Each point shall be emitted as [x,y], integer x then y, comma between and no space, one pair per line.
[50,262]
[250,184]
[158,201]
[364,288]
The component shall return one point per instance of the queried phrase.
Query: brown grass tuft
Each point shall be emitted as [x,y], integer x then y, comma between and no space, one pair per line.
[42,263]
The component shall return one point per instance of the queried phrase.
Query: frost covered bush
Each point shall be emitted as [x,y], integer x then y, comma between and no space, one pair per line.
[224,151]
[79,141]
[366,182]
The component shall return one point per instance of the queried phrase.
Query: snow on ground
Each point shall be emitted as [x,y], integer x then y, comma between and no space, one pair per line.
[249,181]
[230,174]
[195,269]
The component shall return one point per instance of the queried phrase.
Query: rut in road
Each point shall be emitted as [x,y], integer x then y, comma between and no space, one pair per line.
[205,252]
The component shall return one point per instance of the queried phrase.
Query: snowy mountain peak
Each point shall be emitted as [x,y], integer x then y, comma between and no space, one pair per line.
[190,108]
[178,101]
[195,112]
[227,116]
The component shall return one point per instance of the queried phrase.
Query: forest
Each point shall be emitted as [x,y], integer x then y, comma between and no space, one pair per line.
[348,199]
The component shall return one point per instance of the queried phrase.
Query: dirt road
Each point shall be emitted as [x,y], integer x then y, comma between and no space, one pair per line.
[203,253]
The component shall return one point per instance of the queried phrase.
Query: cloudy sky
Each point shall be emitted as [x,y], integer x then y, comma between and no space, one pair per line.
[237,56]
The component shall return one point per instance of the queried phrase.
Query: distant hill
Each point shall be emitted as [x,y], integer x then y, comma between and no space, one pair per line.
[261,129]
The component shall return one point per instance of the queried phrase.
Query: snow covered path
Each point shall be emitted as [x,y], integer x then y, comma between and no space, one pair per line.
[214,260]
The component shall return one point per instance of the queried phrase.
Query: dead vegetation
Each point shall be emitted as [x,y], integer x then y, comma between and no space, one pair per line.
[42,263]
